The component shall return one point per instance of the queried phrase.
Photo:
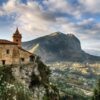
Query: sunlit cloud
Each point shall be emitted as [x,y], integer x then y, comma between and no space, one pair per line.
[35,18]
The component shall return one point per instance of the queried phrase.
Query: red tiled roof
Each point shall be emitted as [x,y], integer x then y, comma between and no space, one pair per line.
[13,43]
[7,42]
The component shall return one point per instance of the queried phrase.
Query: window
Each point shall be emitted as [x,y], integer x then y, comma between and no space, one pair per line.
[16,40]
[7,51]
[22,59]
[31,58]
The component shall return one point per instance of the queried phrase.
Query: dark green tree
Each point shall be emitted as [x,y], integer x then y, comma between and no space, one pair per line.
[96,95]
[52,93]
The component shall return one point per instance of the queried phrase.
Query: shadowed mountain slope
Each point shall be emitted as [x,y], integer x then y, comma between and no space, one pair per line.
[59,47]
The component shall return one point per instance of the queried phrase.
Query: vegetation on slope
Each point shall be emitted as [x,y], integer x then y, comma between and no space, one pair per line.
[96,95]
[10,89]
[75,79]
[39,87]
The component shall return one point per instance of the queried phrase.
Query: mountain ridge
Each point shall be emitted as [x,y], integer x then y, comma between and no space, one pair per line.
[59,47]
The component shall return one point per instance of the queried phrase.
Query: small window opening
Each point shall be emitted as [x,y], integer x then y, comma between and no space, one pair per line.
[16,40]
[22,59]
[31,58]
[7,51]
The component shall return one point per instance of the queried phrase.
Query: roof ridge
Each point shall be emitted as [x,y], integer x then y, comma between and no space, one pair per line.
[4,41]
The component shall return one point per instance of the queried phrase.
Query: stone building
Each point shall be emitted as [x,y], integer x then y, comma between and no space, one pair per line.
[11,52]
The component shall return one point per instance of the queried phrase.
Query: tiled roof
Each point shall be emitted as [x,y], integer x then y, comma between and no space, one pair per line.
[7,42]
[25,50]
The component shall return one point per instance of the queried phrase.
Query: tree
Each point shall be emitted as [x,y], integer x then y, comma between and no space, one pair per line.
[96,95]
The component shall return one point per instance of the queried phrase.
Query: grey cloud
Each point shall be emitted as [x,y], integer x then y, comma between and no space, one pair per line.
[34,20]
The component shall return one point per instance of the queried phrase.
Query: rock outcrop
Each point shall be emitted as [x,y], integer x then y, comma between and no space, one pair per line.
[29,81]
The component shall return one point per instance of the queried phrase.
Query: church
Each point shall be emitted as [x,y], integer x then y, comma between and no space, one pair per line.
[11,52]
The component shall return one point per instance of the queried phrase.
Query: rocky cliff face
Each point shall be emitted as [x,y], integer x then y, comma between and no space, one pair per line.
[27,82]
[58,47]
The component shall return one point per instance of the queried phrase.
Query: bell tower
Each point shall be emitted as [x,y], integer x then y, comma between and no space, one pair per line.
[17,37]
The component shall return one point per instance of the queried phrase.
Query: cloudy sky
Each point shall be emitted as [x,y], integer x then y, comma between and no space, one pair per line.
[37,18]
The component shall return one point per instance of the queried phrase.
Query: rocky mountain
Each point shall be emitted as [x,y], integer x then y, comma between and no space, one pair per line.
[59,47]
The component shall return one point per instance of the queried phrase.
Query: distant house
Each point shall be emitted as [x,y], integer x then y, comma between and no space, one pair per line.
[11,52]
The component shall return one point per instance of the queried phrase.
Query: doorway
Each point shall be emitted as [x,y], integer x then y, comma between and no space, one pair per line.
[3,62]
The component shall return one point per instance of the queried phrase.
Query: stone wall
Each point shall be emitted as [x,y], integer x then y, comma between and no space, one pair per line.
[4,56]
[24,55]
[14,55]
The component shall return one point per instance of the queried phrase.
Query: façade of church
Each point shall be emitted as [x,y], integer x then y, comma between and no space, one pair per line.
[11,52]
